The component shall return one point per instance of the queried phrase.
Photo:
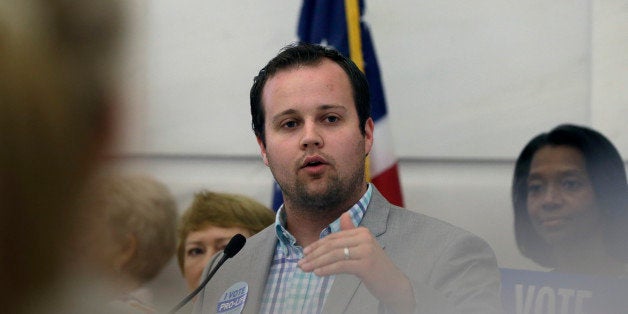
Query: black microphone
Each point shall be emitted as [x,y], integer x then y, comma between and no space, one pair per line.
[233,247]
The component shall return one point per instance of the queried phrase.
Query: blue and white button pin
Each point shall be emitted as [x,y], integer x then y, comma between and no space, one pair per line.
[233,300]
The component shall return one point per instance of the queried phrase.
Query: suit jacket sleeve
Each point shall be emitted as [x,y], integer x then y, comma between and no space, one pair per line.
[465,279]
[451,270]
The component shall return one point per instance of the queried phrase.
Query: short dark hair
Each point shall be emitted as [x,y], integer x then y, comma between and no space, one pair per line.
[303,54]
[607,174]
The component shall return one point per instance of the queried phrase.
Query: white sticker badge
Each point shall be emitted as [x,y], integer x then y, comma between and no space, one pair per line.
[233,300]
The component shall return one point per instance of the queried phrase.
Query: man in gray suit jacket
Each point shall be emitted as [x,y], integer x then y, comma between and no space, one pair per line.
[337,245]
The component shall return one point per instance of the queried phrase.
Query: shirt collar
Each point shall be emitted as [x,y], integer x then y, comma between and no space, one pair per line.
[356,212]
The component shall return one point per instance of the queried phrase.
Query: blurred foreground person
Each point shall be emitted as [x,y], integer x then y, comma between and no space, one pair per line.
[132,221]
[209,223]
[56,95]
[570,200]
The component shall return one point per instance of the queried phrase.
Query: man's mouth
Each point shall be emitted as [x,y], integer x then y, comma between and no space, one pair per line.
[313,161]
[313,164]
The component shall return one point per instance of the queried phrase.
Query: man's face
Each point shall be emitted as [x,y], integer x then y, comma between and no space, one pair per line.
[561,200]
[314,146]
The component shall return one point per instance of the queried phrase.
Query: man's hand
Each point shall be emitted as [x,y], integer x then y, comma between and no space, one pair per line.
[365,259]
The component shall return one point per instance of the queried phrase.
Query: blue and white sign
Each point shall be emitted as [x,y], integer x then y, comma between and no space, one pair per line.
[233,300]
[534,292]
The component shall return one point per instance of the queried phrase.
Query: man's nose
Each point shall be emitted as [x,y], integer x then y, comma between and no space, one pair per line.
[311,136]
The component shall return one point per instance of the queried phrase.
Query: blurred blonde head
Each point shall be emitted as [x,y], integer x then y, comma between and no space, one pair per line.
[133,222]
[56,74]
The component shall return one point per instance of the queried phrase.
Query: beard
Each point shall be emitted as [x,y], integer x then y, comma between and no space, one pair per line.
[334,195]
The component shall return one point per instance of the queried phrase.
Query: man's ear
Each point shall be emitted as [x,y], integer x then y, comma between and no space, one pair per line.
[262,148]
[369,128]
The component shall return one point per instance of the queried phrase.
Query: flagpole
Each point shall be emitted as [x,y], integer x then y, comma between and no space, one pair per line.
[352,12]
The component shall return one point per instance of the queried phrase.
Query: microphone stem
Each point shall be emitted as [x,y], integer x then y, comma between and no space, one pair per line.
[200,287]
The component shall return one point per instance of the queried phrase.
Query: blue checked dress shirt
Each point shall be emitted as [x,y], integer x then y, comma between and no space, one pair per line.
[290,290]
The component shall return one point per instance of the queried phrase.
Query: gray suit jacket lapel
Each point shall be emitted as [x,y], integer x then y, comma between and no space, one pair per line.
[258,264]
[345,286]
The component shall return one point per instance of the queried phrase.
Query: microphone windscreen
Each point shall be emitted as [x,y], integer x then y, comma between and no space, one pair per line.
[235,245]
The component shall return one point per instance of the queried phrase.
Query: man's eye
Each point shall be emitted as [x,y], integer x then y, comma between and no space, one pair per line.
[195,252]
[331,119]
[290,124]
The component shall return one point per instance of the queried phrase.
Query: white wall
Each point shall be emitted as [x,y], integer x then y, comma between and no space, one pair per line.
[468,83]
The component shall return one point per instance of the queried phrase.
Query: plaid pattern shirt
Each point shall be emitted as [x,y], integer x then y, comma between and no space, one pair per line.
[290,290]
